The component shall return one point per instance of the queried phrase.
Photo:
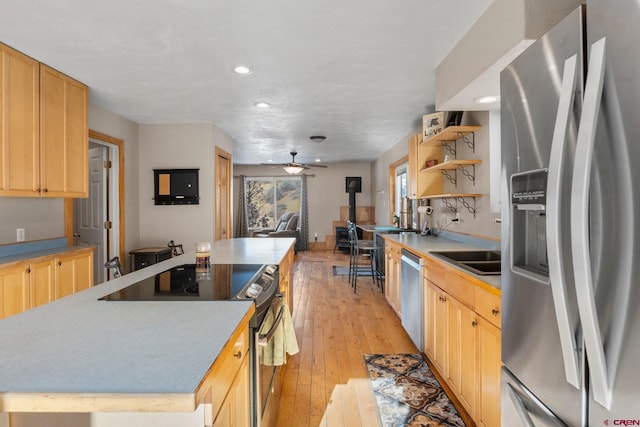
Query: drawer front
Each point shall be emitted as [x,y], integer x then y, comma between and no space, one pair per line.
[226,367]
[449,280]
[488,305]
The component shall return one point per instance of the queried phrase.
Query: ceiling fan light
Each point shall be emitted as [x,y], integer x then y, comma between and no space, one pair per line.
[293,170]
[317,138]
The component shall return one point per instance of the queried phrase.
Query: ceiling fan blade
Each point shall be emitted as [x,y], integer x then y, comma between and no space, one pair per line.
[318,166]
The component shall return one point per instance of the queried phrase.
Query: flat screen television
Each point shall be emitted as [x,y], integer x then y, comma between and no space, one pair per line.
[176,187]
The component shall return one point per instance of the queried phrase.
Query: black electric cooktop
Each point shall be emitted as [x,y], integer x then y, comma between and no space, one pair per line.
[220,282]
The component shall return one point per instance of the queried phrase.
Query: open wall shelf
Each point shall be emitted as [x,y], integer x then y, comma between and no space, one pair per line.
[454,200]
[467,167]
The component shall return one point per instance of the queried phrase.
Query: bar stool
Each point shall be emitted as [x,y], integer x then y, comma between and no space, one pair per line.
[361,248]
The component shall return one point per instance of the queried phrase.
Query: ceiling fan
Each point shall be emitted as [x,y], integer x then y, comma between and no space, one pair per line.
[294,167]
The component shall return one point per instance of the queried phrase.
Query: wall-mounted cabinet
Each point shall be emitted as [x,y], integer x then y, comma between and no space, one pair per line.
[43,115]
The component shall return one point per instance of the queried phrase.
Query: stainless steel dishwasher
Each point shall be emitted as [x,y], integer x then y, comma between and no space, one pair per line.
[411,299]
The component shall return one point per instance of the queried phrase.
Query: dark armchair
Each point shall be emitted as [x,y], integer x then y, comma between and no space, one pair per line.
[287,227]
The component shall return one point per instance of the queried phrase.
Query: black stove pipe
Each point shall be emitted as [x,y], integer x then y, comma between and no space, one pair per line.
[352,200]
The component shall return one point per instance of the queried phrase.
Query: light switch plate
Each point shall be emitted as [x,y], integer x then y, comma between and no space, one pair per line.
[20,235]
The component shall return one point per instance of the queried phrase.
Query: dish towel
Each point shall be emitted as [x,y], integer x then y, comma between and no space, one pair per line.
[283,341]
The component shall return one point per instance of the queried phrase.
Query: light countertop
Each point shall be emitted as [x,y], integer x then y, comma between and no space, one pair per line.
[424,245]
[79,345]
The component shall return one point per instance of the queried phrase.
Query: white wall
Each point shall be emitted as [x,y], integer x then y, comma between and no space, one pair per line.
[326,192]
[178,146]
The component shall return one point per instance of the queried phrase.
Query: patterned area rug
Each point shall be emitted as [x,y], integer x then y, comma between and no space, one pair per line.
[407,393]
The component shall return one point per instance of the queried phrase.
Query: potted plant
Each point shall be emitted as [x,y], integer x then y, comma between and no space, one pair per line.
[396,220]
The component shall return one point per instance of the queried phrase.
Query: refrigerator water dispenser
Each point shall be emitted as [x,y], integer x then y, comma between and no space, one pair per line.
[529,224]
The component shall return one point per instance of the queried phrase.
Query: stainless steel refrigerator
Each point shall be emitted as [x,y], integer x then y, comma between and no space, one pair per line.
[570,119]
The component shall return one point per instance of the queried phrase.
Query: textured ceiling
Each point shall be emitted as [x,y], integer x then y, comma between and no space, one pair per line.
[360,72]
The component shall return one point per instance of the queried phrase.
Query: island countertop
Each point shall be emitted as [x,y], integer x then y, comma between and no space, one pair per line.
[81,354]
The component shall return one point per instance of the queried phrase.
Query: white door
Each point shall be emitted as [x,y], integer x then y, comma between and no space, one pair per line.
[91,213]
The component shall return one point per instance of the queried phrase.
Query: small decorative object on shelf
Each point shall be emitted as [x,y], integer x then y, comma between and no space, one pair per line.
[432,124]
[430,163]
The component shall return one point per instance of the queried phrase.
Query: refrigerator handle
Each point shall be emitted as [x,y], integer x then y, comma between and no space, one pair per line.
[521,409]
[554,226]
[585,290]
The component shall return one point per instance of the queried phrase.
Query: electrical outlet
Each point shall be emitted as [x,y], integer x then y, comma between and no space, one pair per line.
[20,235]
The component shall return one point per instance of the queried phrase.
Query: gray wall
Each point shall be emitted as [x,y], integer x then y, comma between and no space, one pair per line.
[178,146]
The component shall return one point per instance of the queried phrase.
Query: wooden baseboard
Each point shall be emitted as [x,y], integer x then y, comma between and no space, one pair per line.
[317,246]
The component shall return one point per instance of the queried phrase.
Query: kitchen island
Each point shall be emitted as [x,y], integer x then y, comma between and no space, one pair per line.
[95,360]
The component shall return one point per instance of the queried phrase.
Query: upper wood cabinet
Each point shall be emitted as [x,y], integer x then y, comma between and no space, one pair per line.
[422,185]
[19,123]
[44,138]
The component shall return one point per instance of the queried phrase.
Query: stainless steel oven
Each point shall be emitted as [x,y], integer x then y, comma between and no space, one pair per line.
[267,386]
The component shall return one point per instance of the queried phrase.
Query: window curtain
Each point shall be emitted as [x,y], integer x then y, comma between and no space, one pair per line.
[242,222]
[303,239]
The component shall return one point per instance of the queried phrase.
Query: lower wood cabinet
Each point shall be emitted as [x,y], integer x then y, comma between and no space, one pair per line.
[33,282]
[285,276]
[464,346]
[392,275]
[236,410]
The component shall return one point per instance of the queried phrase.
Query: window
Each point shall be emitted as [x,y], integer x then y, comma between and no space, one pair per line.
[268,198]
[401,186]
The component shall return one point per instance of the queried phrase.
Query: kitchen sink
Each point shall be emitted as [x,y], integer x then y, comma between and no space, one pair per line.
[479,262]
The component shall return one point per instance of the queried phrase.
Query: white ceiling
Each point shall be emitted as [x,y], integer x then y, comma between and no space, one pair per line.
[360,72]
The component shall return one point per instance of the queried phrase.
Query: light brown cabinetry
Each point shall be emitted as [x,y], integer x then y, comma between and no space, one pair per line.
[14,290]
[228,381]
[64,135]
[34,282]
[19,122]
[392,275]
[43,115]
[74,273]
[422,185]
[462,338]
[285,275]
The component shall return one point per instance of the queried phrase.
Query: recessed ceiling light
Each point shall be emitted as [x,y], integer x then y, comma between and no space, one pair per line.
[270,160]
[318,160]
[262,105]
[242,69]
[486,99]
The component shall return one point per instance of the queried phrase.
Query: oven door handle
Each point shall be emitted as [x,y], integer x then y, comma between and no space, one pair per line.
[263,339]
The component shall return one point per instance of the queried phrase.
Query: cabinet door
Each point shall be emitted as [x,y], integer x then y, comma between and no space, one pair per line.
[430,299]
[462,352]
[83,271]
[63,135]
[236,408]
[14,290]
[441,327]
[487,412]
[20,123]
[74,272]
[42,282]
[65,276]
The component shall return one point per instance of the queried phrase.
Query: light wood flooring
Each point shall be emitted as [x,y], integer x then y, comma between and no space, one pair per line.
[326,384]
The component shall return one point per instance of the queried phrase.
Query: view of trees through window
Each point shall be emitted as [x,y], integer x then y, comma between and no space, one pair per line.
[270,197]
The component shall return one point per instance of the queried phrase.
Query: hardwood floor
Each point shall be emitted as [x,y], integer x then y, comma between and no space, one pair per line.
[327,383]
